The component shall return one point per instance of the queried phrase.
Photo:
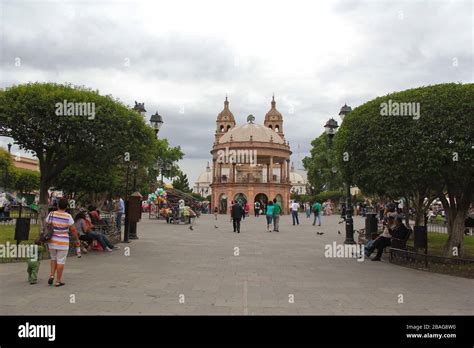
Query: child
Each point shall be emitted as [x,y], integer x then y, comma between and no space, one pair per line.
[34,263]
[215,212]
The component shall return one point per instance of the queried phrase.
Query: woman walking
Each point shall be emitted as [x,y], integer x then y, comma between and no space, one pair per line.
[269,214]
[58,245]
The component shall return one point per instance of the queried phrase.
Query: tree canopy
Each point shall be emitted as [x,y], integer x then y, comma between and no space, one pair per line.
[417,157]
[75,152]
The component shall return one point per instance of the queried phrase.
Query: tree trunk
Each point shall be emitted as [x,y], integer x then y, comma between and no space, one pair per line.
[43,202]
[455,245]
[406,210]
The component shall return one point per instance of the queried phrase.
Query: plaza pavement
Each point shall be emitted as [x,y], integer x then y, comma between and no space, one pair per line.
[170,263]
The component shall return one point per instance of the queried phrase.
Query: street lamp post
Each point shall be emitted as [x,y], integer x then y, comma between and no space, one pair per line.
[7,174]
[330,129]
[126,227]
[164,167]
[349,220]
[156,122]
[132,228]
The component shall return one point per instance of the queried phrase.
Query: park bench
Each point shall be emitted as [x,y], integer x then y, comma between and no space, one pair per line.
[401,243]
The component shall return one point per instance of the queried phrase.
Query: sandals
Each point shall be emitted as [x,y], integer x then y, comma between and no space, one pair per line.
[50,280]
[58,284]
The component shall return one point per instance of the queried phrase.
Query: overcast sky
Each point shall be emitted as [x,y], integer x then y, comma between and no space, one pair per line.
[182,57]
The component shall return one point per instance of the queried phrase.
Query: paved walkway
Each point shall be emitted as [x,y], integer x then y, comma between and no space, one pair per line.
[274,273]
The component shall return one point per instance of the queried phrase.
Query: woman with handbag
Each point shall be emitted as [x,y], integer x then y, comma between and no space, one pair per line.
[60,222]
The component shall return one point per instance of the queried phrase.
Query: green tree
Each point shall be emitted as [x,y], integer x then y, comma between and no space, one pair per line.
[6,169]
[322,166]
[29,114]
[181,182]
[26,181]
[418,158]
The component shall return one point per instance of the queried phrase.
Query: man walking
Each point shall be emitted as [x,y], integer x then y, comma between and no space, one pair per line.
[294,212]
[236,213]
[256,207]
[120,212]
[317,213]
[276,215]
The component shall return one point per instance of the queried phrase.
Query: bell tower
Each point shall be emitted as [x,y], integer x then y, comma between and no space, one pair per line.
[225,121]
[274,119]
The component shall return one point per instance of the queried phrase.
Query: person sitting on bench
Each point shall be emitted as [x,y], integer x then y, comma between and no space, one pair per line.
[383,240]
[395,229]
[86,234]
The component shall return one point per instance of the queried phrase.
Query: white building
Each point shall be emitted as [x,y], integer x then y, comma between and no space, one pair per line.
[298,180]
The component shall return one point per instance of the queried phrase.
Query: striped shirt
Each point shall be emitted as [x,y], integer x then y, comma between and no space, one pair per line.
[61,222]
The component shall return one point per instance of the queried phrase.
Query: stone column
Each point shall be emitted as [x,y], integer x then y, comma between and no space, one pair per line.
[282,172]
[214,170]
[268,173]
[271,169]
[288,170]
[232,172]
[220,172]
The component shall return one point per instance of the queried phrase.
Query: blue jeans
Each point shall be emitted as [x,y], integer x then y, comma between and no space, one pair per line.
[317,216]
[269,219]
[294,216]
[308,213]
[104,242]
[118,222]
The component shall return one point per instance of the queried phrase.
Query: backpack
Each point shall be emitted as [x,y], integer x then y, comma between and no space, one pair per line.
[316,208]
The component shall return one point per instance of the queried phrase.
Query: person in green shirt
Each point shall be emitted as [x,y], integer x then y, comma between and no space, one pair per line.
[276,215]
[317,213]
[269,214]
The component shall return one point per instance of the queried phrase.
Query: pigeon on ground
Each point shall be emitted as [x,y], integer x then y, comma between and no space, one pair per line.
[191,228]
[338,232]
[216,226]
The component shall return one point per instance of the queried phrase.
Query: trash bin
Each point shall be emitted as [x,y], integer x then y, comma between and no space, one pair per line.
[22,229]
[421,237]
[370,225]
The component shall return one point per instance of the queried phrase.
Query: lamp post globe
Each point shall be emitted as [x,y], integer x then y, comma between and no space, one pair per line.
[345,109]
[330,129]
[156,122]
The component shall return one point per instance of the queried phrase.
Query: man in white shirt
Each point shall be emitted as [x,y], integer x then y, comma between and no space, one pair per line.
[294,212]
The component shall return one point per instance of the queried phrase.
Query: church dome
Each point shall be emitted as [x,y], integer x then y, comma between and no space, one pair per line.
[204,178]
[251,132]
[297,178]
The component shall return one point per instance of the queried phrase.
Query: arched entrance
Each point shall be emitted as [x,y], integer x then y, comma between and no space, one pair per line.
[223,204]
[241,198]
[262,199]
[279,199]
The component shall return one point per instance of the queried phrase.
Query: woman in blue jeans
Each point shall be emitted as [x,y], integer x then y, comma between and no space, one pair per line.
[84,230]
[269,214]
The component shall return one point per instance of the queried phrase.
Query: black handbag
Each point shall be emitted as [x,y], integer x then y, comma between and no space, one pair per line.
[48,230]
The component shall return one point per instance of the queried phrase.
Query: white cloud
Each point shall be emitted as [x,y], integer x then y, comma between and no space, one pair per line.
[314,55]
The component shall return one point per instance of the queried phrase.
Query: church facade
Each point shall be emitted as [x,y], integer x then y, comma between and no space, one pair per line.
[250,162]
